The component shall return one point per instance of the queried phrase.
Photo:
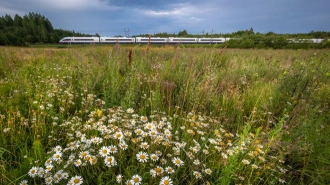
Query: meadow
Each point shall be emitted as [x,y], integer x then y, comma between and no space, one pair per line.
[117,114]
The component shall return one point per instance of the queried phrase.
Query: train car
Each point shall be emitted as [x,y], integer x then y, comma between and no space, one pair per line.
[175,40]
[211,40]
[153,40]
[317,41]
[114,40]
[80,40]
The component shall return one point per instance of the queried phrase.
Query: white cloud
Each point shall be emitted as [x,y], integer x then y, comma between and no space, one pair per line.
[10,11]
[76,4]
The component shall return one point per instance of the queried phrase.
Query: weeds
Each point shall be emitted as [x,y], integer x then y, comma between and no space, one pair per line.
[107,115]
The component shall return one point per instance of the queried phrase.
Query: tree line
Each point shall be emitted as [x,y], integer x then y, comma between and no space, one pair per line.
[35,28]
[30,29]
[250,39]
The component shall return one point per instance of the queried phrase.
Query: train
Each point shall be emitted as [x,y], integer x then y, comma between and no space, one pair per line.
[141,40]
[161,40]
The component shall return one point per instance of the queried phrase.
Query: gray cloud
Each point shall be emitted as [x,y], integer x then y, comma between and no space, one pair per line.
[110,17]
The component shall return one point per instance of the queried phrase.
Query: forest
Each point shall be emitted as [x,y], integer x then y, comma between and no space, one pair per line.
[30,29]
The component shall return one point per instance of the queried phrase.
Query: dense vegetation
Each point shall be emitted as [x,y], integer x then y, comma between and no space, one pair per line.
[30,29]
[115,115]
[249,39]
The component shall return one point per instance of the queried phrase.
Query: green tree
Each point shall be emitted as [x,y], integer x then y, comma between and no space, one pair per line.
[183,33]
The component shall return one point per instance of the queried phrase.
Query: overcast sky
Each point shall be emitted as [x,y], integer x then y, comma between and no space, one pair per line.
[110,17]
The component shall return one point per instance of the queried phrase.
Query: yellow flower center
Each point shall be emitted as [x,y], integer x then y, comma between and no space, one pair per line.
[166,182]
[76,181]
[158,170]
[136,179]
[177,161]
[142,156]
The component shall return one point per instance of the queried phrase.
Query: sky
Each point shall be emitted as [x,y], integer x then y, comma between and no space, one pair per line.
[116,17]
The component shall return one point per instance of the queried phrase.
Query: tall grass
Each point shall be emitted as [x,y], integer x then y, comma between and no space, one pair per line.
[231,116]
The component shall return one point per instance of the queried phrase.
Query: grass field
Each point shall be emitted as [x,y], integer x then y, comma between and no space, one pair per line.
[132,114]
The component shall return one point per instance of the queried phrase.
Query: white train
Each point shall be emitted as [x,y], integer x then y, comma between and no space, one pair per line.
[140,40]
[160,40]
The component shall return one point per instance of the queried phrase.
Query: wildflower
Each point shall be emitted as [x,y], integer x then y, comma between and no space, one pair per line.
[65,175]
[83,154]
[58,149]
[41,172]
[6,130]
[118,135]
[58,175]
[119,178]
[149,126]
[144,145]
[143,119]
[129,182]
[142,157]
[97,140]
[241,178]
[158,153]
[166,181]
[205,151]
[49,168]
[130,110]
[197,162]
[113,149]
[163,161]
[139,132]
[24,182]
[137,179]
[169,170]
[104,151]
[197,175]
[123,145]
[244,161]
[159,170]
[76,180]
[77,162]
[154,157]
[49,180]
[254,166]
[208,171]
[177,161]
[153,173]
[92,160]
[110,161]
[167,133]
[281,181]
[57,156]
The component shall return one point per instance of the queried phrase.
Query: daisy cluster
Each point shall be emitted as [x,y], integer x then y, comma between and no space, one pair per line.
[160,149]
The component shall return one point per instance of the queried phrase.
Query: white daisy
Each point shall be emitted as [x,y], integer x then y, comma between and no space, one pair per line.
[244,161]
[137,179]
[177,161]
[119,178]
[110,161]
[24,182]
[166,181]
[208,171]
[113,149]
[154,157]
[104,151]
[169,170]
[76,180]
[142,157]
[197,175]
